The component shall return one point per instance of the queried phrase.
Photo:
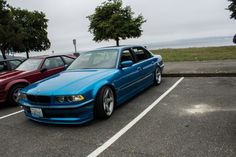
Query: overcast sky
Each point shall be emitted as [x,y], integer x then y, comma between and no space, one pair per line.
[167,20]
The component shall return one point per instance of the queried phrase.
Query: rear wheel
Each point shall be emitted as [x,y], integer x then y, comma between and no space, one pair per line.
[13,93]
[105,102]
[157,76]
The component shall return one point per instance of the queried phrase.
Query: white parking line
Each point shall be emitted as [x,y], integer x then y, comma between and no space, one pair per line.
[115,137]
[11,114]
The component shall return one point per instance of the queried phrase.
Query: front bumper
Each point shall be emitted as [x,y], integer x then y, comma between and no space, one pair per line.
[3,96]
[76,114]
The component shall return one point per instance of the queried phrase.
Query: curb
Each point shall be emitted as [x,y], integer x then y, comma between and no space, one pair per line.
[199,75]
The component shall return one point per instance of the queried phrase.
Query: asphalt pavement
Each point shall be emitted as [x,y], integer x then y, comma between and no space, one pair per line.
[197,118]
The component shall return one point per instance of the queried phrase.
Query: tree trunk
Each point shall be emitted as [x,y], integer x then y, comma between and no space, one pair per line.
[27,54]
[117,42]
[3,54]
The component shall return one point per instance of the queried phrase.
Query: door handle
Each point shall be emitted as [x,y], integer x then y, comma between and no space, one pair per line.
[139,68]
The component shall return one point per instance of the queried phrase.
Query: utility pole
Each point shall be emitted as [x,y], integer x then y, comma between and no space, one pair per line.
[74,42]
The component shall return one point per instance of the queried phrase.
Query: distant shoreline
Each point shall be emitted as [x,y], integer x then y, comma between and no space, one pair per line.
[196,42]
[176,44]
[182,48]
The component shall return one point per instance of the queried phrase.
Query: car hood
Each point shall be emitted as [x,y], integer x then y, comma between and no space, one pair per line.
[10,74]
[67,82]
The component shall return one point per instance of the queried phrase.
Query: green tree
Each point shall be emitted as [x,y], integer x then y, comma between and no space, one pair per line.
[232,8]
[5,27]
[22,30]
[112,21]
[30,31]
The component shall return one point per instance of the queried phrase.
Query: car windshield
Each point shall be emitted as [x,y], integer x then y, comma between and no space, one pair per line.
[30,64]
[98,59]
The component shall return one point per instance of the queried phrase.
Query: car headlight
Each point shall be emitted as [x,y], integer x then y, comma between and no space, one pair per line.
[21,96]
[73,98]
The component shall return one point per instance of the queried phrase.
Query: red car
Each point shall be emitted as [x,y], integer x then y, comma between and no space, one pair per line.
[10,64]
[30,71]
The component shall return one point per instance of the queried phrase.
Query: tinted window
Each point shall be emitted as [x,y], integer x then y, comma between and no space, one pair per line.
[68,60]
[53,62]
[126,55]
[14,64]
[95,60]
[141,53]
[3,66]
[30,64]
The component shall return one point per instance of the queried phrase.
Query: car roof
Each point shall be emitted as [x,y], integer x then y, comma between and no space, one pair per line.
[12,59]
[119,47]
[48,56]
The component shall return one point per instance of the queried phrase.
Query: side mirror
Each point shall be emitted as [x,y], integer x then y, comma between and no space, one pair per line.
[125,64]
[43,70]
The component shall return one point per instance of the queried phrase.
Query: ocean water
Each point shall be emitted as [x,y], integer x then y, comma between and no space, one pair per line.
[197,42]
[185,43]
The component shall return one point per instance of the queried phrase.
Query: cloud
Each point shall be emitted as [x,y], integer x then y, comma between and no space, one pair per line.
[166,20]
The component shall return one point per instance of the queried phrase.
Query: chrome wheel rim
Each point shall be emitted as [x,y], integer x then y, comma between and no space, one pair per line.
[16,94]
[158,76]
[108,101]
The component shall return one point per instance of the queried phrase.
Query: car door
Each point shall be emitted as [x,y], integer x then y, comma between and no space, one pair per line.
[147,63]
[51,66]
[127,83]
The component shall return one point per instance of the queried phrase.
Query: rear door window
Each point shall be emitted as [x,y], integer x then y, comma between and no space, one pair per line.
[53,62]
[141,53]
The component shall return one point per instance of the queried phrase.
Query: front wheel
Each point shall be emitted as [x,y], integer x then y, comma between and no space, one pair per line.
[13,94]
[157,76]
[105,102]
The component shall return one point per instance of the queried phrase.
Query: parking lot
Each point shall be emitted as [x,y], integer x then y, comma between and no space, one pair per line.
[197,118]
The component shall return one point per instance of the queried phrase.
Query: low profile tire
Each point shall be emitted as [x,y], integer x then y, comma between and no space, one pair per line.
[157,76]
[13,94]
[105,103]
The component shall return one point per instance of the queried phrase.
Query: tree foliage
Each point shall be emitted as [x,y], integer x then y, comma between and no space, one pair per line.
[5,27]
[232,8]
[112,21]
[31,34]
[22,30]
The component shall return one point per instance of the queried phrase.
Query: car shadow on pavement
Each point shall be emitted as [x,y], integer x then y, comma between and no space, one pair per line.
[6,106]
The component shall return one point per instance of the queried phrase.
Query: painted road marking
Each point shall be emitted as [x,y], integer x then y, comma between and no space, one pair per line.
[12,114]
[115,137]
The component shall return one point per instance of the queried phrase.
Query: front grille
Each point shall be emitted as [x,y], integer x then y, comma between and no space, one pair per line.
[39,99]
[63,113]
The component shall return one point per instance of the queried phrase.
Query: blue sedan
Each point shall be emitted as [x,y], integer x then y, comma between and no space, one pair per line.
[92,85]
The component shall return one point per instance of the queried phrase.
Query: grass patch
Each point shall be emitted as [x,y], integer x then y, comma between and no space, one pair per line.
[197,54]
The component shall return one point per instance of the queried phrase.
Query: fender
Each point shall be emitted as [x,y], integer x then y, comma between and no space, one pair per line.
[10,84]
[98,86]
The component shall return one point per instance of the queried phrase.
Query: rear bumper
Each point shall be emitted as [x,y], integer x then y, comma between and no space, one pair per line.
[55,115]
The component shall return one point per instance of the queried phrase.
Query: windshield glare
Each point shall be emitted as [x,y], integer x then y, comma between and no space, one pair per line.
[29,65]
[99,59]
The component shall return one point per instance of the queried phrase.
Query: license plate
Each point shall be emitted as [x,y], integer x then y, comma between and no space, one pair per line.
[36,112]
